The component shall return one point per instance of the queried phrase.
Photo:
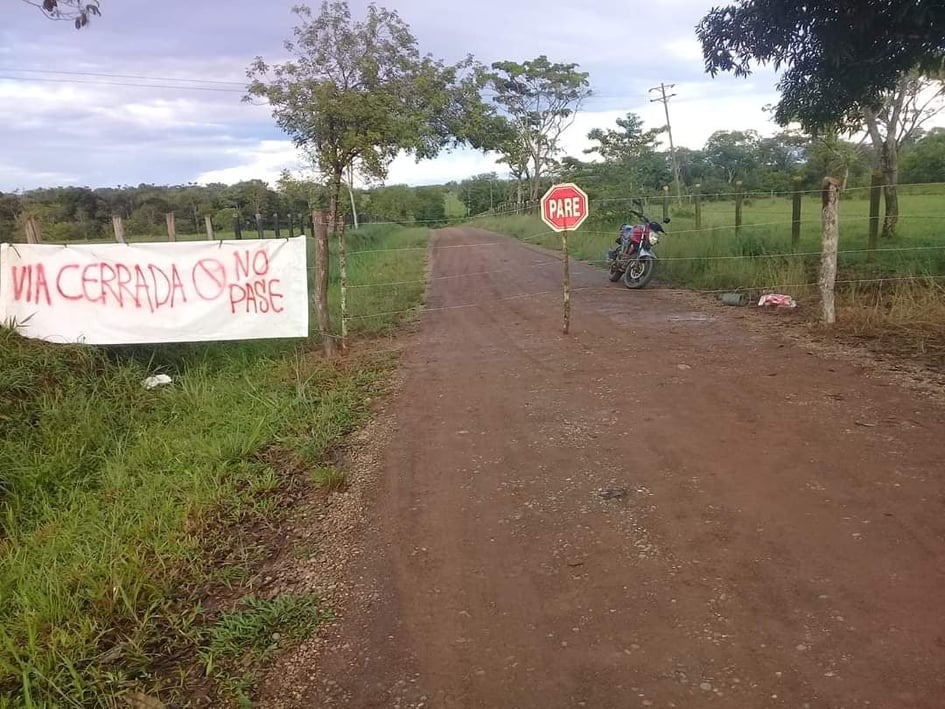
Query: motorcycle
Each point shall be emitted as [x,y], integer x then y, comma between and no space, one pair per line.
[633,260]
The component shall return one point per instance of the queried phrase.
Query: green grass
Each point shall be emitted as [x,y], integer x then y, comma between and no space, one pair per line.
[241,639]
[121,508]
[761,255]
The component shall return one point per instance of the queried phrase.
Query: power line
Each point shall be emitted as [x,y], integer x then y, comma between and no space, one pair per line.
[5,77]
[122,76]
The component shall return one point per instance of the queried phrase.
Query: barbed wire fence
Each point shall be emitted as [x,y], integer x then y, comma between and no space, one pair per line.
[279,226]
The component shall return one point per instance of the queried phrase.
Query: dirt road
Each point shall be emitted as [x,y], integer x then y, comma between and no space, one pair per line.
[661,509]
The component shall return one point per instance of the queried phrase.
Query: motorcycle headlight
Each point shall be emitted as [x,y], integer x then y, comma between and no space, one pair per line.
[654,238]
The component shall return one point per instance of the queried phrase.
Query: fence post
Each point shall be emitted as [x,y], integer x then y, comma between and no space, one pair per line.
[259,226]
[738,206]
[876,187]
[119,226]
[33,235]
[209,222]
[320,222]
[698,196]
[665,202]
[830,236]
[237,227]
[171,226]
[796,213]
[275,221]
[343,283]
[291,225]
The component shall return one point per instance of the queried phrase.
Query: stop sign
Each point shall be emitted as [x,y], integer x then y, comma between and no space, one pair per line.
[564,207]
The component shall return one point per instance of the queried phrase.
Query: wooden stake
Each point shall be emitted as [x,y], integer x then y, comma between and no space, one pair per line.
[209,223]
[698,205]
[876,193]
[567,282]
[259,226]
[830,237]
[796,213]
[171,226]
[665,202]
[33,231]
[738,207]
[343,281]
[320,222]
[119,226]
[237,227]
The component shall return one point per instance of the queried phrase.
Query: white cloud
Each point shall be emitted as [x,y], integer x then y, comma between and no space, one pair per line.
[265,162]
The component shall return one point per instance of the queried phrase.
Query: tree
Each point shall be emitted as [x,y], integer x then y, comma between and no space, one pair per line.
[631,154]
[903,111]
[925,162]
[732,154]
[358,92]
[540,100]
[77,11]
[837,55]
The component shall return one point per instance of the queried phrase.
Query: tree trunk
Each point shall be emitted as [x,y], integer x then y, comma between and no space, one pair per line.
[890,167]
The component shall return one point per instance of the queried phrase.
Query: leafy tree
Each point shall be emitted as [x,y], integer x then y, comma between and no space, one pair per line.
[540,100]
[837,55]
[481,193]
[925,162]
[914,101]
[633,152]
[733,154]
[828,154]
[358,92]
[77,11]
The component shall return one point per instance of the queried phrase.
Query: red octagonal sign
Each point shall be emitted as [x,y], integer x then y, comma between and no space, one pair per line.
[564,207]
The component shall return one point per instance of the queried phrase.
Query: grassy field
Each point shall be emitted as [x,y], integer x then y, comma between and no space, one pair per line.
[122,508]
[894,299]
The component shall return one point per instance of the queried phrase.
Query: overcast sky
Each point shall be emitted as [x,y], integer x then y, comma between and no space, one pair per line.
[62,129]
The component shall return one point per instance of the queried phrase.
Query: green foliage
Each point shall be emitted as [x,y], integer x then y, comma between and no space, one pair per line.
[117,504]
[358,92]
[836,57]
[925,162]
[540,99]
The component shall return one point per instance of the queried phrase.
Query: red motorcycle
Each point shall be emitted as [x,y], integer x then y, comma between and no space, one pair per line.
[633,260]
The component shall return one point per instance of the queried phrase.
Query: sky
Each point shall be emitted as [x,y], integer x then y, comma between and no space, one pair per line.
[78,108]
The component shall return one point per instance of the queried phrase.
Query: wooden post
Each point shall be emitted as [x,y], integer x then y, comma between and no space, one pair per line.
[275,222]
[33,235]
[237,227]
[259,226]
[698,193]
[876,193]
[738,206]
[665,202]
[830,237]
[343,282]
[209,222]
[291,225]
[171,226]
[119,226]
[320,221]
[567,281]
[796,213]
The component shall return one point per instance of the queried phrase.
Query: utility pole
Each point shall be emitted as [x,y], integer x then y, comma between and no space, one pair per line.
[664,99]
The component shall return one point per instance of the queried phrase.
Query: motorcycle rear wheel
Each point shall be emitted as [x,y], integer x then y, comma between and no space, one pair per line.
[639,272]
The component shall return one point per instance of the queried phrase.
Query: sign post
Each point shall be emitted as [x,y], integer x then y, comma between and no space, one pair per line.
[564,208]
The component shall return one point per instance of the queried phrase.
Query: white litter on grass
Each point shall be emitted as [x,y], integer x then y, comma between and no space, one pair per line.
[156,381]
[777,300]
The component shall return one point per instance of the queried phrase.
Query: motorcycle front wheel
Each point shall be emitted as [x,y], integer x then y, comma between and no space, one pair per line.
[639,272]
[615,272]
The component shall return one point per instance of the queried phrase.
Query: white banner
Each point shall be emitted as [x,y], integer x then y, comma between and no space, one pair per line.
[106,294]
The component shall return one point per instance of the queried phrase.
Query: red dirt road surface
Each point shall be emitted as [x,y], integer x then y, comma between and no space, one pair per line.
[662,509]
